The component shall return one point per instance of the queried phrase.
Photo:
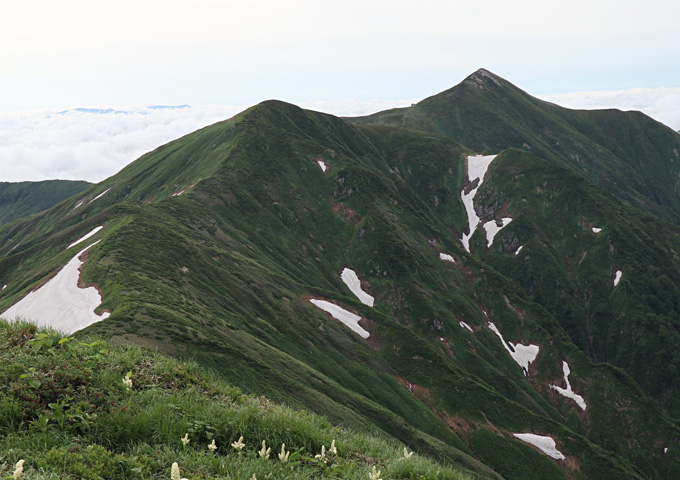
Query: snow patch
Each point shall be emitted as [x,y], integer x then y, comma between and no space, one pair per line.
[519,250]
[4,287]
[322,165]
[350,278]
[85,237]
[522,354]
[100,195]
[446,257]
[596,230]
[544,444]
[491,228]
[349,319]
[568,392]
[477,167]
[617,277]
[665,449]
[464,325]
[60,303]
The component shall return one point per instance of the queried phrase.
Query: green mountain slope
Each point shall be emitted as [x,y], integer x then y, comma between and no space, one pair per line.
[107,429]
[26,198]
[574,239]
[625,153]
[223,273]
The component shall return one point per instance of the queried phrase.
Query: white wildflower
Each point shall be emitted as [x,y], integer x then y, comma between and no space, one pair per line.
[407,455]
[239,445]
[127,381]
[212,447]
[174,472]
[253,477]
[322,455]
[18,470]
[333,450]
[264,453]
[374,475]
[185,439]
[283,456]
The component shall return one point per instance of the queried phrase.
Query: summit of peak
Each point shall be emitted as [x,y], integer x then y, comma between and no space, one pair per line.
[479,77]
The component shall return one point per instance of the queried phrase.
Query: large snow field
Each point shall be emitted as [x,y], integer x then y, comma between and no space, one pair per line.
[491,228]
[85,237]
[477,167]
[568,392]
[60,303]
[339,313]
[352,281]
[544,444]
[522,354]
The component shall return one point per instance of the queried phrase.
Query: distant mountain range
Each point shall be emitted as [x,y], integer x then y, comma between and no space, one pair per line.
[491,279]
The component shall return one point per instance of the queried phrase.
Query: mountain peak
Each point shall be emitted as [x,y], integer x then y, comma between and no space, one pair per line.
[481,77]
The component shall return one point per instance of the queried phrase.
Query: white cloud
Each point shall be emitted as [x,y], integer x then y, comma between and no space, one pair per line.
[85,145]
[93,144]
[662,104]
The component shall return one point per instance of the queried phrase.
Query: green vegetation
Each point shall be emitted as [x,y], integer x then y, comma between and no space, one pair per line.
[625,153]
[222,274]
[21,199]
[67,410]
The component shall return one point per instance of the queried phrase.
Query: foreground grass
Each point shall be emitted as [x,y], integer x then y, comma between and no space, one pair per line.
[83,409]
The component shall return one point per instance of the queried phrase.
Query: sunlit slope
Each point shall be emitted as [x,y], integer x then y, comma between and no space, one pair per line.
[224,272]
[625,153]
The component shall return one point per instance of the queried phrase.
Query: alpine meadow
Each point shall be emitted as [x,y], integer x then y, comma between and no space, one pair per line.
[483,278]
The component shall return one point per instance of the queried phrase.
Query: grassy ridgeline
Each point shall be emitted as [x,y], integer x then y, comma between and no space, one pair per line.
[67,411]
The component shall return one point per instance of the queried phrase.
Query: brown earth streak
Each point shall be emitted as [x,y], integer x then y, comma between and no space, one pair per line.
[423,393]
[349,214]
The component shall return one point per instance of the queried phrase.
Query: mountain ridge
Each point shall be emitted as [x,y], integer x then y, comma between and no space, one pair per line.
[20,199]
[608,147]
[224,271]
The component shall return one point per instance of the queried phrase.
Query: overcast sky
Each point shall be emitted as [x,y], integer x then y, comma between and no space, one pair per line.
[345,57]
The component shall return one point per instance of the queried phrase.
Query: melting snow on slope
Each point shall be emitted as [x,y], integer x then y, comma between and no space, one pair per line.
[350,278]
[85,237]
[60,303]
[522,354]
[100,195]
[568,392]
[322,165]
[446,257]
[519,249]
[491,228]
[339,313]
[617,277]
[544,444]
[596,230]
[464,325]
[477,167]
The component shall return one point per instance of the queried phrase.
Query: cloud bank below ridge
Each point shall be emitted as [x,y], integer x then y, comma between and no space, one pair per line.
[95,143]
